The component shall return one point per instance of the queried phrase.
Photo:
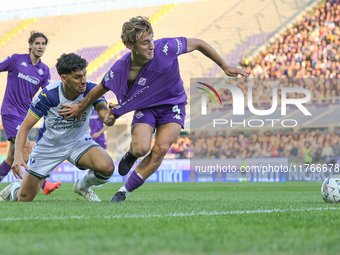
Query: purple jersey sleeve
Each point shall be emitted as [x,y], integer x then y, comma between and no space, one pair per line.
[173,47]
[7,64]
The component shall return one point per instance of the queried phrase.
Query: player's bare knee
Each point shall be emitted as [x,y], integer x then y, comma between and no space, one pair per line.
[24,197]
[159,151]
[109,171]
[140,150]
[106,168]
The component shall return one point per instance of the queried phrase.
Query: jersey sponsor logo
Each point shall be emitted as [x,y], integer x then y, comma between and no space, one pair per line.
[3,60]
[40,72]
[23,64]
[179,47]
[34,104]
[142,81]
[111,74]
[28,78]
[43,94]
[139,115]
[165,49]
[106,77]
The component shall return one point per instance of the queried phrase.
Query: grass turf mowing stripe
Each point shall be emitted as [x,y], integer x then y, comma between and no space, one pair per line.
[203,213]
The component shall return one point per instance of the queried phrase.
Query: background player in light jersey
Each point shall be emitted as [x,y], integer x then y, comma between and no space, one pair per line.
[98,128]
[60,139]
[26,75]
[148,80]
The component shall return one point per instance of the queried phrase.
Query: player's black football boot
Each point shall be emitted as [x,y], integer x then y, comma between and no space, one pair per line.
[120,196]
[126,163]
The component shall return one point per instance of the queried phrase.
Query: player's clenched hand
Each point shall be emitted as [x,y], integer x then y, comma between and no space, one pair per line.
[109,119]
[16,167]
[234,72]
[71,111]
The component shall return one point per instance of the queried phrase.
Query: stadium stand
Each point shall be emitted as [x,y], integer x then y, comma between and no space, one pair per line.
[234,28]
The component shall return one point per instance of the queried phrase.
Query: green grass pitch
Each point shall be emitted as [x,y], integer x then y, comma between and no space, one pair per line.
[175,218]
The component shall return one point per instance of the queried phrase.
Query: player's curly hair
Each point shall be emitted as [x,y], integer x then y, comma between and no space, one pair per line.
[34,35]
[134,28]
[68,63]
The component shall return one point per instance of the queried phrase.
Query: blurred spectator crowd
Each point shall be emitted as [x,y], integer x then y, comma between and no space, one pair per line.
[309,146]
[306,55]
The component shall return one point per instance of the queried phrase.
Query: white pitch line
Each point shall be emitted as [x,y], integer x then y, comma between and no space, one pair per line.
[203,213]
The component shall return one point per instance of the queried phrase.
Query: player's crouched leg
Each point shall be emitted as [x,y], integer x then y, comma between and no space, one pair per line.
[25,190]
[101,169]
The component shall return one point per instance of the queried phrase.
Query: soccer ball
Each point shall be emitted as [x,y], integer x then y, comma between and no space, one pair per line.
[330,189]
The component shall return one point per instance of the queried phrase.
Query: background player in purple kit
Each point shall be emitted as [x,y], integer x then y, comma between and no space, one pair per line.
[148,80]
[26,75]
[97,129]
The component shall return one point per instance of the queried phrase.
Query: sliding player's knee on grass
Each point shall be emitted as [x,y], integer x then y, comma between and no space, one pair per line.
[27,189]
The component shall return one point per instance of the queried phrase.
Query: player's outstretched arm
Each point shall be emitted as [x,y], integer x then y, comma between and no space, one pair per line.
[97,134]
[76,110]
[105,114]
[20,140]
[210,52]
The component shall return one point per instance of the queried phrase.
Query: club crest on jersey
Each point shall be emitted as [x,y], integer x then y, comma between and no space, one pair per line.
[106,77]
[40,72]
[139,115]
[142,81]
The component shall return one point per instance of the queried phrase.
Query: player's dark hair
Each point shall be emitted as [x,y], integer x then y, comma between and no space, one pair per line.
[134,28]
[34,35]
[68,63]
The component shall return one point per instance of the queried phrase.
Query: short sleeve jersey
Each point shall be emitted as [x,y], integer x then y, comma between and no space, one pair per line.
[56,129]
[23,81]
[158,83]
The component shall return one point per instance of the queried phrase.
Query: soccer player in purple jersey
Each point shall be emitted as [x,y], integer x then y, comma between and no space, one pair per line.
[97,129]
[148,80]
[26,75]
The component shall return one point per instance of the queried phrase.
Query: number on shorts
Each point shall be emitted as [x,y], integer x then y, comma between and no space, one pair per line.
[176,109]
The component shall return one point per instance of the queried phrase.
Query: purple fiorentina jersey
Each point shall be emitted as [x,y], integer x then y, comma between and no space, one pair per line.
[158,83]
[23,81]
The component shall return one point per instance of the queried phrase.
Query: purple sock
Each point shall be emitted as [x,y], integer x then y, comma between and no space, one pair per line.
[4,169]
[133,182]
[43,185]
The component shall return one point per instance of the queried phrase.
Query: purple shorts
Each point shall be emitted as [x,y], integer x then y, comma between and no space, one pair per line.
[158,115]
[11,124]
[101,142]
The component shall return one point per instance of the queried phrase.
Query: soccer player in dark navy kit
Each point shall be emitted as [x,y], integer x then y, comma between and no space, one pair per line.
[26,75]
[148,80]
